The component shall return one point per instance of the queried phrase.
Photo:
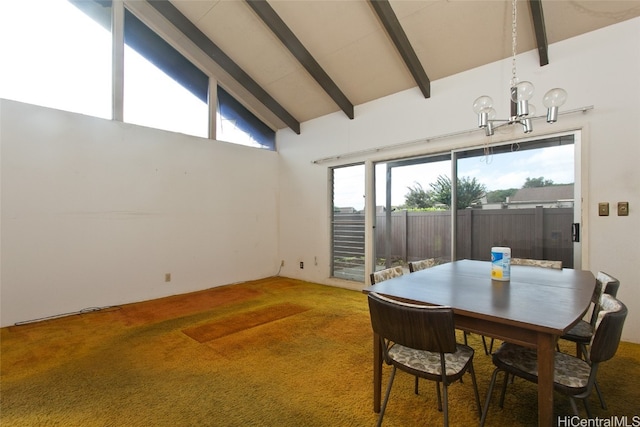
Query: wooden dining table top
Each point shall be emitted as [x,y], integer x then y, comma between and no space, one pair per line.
[541,299]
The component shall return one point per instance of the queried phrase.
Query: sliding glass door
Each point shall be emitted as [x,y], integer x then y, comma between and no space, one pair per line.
[519,195]
[525,200]
[458,205]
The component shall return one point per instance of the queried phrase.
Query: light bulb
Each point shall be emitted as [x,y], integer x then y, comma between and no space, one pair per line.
[555,98]
[523,92]
[552,100]
[481,104]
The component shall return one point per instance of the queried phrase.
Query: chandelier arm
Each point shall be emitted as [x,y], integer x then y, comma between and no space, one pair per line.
[502,123]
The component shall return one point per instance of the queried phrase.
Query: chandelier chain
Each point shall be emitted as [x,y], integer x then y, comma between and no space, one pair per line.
[514,41]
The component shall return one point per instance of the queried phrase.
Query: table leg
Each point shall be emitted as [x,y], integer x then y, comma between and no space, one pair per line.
[578,351]
[546,357]
[377,372]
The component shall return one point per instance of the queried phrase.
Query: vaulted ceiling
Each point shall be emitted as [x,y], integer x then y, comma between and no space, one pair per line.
[290,61]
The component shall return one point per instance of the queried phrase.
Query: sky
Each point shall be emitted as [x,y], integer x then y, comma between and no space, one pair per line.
[495,171]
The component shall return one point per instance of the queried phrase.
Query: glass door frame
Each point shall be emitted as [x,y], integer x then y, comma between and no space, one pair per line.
[454,154]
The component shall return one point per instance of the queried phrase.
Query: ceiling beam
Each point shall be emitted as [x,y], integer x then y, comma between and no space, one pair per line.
[297,49]
[540,30]
[394,29]
[173,15]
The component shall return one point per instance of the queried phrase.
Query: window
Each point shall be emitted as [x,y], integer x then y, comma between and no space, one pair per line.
[162,89]
[347,225]
[46,62]
[237,124]
[59,55]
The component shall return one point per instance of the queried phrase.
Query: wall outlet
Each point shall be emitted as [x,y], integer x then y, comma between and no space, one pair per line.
[301,264]
[603,209]
[282,263]
[167,277]
[623,208]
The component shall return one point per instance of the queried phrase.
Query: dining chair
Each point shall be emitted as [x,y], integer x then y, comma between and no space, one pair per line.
[582,332]
[422,264]
[386,274]
[537,263]
[573,376]
[421,341]
[530,262]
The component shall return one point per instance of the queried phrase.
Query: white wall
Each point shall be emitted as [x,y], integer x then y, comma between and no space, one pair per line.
[95,212]
[600,69]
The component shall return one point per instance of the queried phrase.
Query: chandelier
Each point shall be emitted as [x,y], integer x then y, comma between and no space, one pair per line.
[521,92]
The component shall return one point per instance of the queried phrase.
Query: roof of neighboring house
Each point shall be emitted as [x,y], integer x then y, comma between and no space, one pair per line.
[544,194]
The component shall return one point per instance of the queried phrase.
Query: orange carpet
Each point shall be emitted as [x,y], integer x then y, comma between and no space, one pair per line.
[271,352]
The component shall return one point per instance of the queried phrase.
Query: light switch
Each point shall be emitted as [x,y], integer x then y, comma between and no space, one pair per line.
[603,209]
[623,208]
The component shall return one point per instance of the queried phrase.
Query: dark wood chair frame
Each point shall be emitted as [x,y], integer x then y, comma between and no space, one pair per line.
[603,347]
[423,328]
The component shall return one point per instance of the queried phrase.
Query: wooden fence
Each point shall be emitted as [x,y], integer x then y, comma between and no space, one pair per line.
[539,233]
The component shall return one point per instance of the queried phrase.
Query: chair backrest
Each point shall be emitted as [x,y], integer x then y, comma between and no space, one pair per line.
[537,263]
[605,284]
[421,265]
[420,327]
[608,331]
[609,283]
[386,274]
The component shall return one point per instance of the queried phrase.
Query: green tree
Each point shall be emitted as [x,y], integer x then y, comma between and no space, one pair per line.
[417,198]
[499,196]
[469,191]
[537,182]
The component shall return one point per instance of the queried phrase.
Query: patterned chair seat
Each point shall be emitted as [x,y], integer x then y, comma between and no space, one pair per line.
[428,362]
[581,332]
[570,372]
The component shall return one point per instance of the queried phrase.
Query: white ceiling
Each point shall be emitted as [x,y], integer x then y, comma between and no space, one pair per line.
[348,41]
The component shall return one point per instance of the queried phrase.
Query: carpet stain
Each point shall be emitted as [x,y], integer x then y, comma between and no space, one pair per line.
[185,304]
[230,325]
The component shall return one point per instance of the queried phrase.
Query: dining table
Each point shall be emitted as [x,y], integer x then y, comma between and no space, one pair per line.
[534,308]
